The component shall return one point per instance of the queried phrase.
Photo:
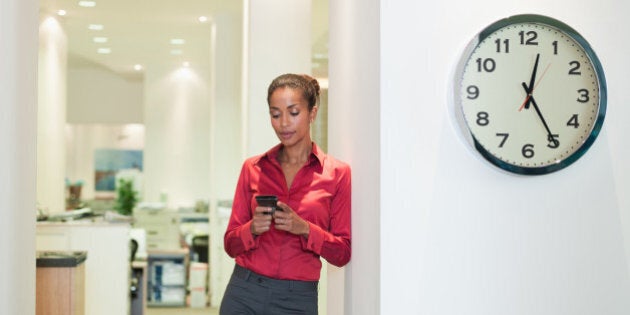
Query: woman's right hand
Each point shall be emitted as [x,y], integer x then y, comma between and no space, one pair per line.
[261,221]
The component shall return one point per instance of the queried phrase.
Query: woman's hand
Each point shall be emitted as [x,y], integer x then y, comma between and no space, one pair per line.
[261,221]
[285,219]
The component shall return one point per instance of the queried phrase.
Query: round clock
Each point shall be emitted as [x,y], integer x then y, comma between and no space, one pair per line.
[532,94]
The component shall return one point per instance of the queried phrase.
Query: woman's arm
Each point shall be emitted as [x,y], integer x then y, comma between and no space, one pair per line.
[238,237]
[335,244]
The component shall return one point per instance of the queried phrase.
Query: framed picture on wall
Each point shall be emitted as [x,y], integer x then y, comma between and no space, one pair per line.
[108,163]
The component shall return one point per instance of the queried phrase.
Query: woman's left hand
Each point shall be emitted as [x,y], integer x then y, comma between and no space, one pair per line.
[288,220]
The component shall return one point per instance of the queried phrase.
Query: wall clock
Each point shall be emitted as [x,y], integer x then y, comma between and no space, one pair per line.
[532,94]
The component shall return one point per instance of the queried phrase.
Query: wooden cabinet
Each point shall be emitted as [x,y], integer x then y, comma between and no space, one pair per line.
[60,287]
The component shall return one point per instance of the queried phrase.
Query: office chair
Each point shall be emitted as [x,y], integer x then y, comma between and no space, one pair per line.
[133,281]
[200,247]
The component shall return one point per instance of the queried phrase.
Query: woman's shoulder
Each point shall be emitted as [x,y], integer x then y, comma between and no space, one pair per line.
[334,164]
[255,160]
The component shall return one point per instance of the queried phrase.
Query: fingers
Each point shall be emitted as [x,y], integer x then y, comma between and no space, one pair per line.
[283,219]
[261,222]
[284,207]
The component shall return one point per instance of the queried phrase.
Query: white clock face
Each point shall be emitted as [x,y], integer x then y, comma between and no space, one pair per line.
[531,95]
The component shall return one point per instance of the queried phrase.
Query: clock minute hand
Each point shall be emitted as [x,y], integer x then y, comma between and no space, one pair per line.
[550,136]
[532,80]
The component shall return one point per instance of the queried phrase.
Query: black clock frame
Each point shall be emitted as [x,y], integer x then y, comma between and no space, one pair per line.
[601,80]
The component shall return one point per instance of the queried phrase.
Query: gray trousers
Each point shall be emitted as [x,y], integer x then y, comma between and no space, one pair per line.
[249,293]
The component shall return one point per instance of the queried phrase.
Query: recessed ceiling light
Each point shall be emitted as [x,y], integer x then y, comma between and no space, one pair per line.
[100,39]
[104,51]
[176,51]
[137,67]
[177,41]
[203,19]
[96,27]
[61,12]
[87,4]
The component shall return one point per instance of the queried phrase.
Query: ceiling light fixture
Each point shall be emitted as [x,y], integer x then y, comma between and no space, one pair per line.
[203,19]
[61,12]
[96,27]
[104,51]
[100,40]
[177,41]
[137,67]
[87,4]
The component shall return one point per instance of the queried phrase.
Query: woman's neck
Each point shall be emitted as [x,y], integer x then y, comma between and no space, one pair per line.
[297,154]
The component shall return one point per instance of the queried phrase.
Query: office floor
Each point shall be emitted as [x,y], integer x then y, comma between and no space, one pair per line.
[181,311]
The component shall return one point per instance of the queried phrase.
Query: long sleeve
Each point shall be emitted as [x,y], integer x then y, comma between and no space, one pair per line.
[334,244]
[238,237]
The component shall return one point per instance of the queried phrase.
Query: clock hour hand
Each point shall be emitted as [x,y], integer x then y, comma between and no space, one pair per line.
[553,142]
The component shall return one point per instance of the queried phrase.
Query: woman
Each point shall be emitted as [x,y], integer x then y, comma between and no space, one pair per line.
[277,255]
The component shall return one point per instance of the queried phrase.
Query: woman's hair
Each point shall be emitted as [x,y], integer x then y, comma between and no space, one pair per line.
[307,84]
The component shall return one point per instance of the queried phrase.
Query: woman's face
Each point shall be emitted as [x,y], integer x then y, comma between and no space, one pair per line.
[290,116]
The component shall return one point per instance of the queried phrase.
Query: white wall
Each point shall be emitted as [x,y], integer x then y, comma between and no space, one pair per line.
[457,235]
[18,161]
[98,95]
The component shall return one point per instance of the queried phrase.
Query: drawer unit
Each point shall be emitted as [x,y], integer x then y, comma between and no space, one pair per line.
[161,226]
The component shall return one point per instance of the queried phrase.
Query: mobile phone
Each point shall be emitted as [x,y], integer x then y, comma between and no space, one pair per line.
[268,201]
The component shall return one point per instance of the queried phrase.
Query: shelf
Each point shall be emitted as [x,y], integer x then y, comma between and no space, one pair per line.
[166,281]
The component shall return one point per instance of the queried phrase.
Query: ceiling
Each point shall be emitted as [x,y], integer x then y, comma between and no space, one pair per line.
[137,31]
[140,32]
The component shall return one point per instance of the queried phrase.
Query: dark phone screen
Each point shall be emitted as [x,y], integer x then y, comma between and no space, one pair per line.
[268,201]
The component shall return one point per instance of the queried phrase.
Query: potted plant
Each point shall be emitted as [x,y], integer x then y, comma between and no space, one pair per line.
[126,197]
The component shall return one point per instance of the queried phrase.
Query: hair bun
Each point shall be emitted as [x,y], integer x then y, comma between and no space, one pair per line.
[313,82]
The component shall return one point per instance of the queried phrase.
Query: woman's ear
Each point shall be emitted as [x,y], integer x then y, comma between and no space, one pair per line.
[313,114]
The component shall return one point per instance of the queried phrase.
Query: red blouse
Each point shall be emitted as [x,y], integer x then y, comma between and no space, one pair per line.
[319,194]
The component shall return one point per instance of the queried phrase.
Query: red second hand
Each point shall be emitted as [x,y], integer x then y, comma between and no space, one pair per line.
[532,92]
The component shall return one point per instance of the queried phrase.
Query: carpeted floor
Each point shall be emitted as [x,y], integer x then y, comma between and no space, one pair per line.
[181,311]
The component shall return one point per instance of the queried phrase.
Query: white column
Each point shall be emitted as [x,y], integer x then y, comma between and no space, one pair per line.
[278,41]
[177,120]
[18,112]
[51,114]
[225,132]
[226,127]
[354,113]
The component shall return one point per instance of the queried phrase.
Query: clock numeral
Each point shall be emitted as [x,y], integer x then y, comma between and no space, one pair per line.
[487,65]
[554,143]
[583,98]
[505,137]
[531,38]
[473,92]
[528,151]
[575,67]
[506,44]
[555,47]
[573,121]
[482,118]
